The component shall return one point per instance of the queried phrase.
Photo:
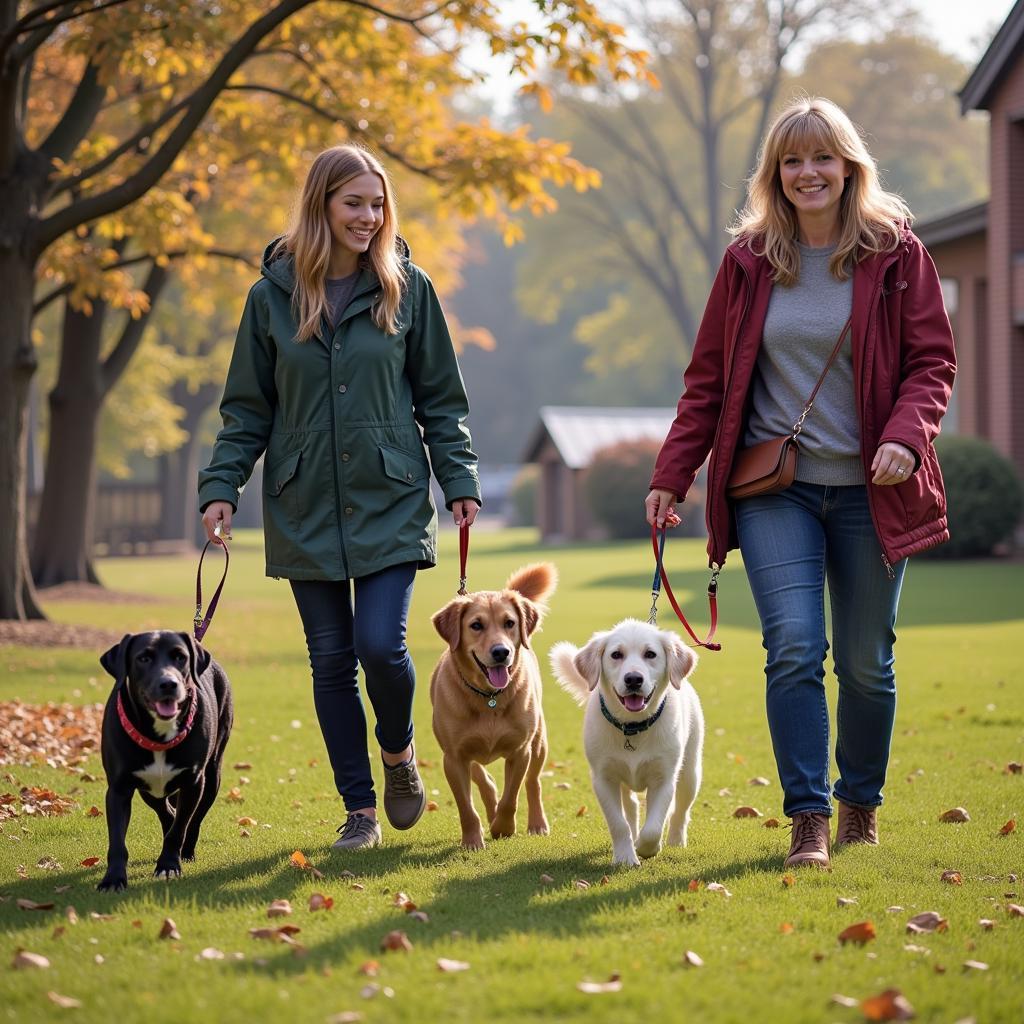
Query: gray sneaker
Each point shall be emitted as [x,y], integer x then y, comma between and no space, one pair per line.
[404,796]
[358,833]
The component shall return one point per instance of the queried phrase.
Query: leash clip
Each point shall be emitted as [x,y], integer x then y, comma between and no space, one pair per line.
[652,615]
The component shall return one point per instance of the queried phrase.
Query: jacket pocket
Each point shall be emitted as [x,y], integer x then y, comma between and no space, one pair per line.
[401,466]
[282,493]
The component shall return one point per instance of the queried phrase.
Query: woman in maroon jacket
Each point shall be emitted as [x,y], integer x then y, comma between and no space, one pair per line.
[821,242]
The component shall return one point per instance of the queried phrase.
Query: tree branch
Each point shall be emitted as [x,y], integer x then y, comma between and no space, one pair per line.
[131,337]
[44,29]
[78,116]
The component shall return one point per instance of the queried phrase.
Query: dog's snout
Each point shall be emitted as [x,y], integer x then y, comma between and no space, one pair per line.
[633,681]
[500,653]
[168,685]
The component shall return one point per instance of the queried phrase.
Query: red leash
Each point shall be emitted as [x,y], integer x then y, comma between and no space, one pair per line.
[200,624]
[463,556]
[661,577]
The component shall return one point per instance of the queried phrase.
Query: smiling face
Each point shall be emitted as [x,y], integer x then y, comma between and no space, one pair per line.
[355,213]
[485,632]
[634,664]
[812,178]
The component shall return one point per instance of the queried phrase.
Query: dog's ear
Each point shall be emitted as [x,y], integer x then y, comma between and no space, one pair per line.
[448,622]
[588,659]
[115,661]
[682,660]
[199,657]
[529,617]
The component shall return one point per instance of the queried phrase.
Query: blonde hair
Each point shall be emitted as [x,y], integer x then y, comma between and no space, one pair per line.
[871,220]
[310,239]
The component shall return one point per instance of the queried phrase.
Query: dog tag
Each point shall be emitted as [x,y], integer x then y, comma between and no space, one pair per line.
[492,703]
[627,745]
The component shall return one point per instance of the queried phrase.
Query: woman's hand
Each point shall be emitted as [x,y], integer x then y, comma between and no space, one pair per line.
[218,514]
[464,510]
[893,463]
[661,508]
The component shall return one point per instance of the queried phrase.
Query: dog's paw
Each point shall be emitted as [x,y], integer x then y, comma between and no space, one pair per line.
[113,883]
[167,869]
[188,856]
[473,842]
[541,829]
[626,859]
[648,846]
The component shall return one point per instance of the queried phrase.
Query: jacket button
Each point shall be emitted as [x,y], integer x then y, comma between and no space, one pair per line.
[345,456]
[337,345]
[342,389]
[408,476]
[348,510]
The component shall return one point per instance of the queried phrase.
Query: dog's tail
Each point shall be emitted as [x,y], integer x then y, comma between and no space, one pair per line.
[562,657]
[536,581]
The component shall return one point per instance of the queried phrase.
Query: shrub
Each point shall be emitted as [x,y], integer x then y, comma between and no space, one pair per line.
[616,483]
[984,496]
[523,496]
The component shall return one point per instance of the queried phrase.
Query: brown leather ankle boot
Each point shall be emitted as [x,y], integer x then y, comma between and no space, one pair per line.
[856,825]
[810,842]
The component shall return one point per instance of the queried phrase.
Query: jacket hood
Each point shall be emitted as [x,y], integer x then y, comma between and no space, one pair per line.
[280,268]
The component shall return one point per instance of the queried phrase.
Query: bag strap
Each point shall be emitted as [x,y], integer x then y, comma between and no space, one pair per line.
[799,425]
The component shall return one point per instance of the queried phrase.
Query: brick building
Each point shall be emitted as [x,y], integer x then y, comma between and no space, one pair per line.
[979,252]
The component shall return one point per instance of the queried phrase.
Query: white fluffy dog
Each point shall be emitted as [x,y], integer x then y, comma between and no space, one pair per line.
[643,730]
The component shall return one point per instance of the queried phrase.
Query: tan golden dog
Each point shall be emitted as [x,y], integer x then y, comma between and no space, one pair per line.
[486,693]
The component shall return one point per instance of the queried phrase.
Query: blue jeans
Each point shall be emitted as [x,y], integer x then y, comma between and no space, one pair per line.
[339,639]
[792,542]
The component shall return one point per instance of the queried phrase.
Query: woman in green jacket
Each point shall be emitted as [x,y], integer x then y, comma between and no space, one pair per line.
[343,369]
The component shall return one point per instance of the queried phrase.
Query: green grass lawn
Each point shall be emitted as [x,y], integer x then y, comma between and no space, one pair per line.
[770,951]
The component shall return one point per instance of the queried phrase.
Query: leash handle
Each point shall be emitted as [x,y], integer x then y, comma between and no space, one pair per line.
[661,577]
[463,556]
[201,624]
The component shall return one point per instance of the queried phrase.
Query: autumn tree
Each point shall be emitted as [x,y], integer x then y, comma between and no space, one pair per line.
[62,170]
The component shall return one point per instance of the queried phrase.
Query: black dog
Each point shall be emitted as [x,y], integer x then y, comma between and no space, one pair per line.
[165,727]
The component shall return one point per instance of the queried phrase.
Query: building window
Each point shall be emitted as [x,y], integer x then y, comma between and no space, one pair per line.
[950,294]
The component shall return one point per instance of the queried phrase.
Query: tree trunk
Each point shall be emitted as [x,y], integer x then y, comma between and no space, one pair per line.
[17,365]
[64,529]
[179,516]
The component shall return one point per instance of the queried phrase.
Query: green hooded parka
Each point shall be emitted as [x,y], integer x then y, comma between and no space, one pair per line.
[343,419]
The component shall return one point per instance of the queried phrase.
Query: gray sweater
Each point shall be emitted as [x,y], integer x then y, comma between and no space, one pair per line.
[801,327]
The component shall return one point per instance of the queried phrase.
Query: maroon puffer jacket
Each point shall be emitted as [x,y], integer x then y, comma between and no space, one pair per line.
[903,368]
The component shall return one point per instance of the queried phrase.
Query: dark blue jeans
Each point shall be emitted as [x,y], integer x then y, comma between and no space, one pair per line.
[340,638]
[792,542]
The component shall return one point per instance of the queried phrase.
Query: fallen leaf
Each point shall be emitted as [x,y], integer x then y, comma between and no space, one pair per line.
[451,966]
[371,968]
[235,796]
[694,885]
[975,965]
[345,1017]
[431,805]
[605,879]
[247,821]
[718,887]
[211,953]
[788,881]
[24,904]
[581,883]
[71,914]
[956,815]
[927,921]
[396,941]
[592,988]
[298,860]
[419,915]
[242,766]
[747,812]
[373,989]
[282,934]
[841,1000]
[96,916]
[279,908]
[61,888]
[894,910]
[563,785]
[759,780]
[58,932]
[771,823]
[987,924]
[845,901]
[168,930]
[952,877]
[23,958]
[358,886]
[691,959]
[786,928]
[581,811]
[90,862]
[546,879]
[400,899]
[93,812]
[64,1002]
[49,863]
[1014,910]
[1008,827]
[318,901]
[910,947]
[888,1005]
[861,932]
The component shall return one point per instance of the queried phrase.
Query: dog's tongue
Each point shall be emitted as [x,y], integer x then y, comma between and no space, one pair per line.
[166,708]
[633,702]
[497,676]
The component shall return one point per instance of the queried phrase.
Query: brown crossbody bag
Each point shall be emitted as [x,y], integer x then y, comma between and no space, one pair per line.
[770,467]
